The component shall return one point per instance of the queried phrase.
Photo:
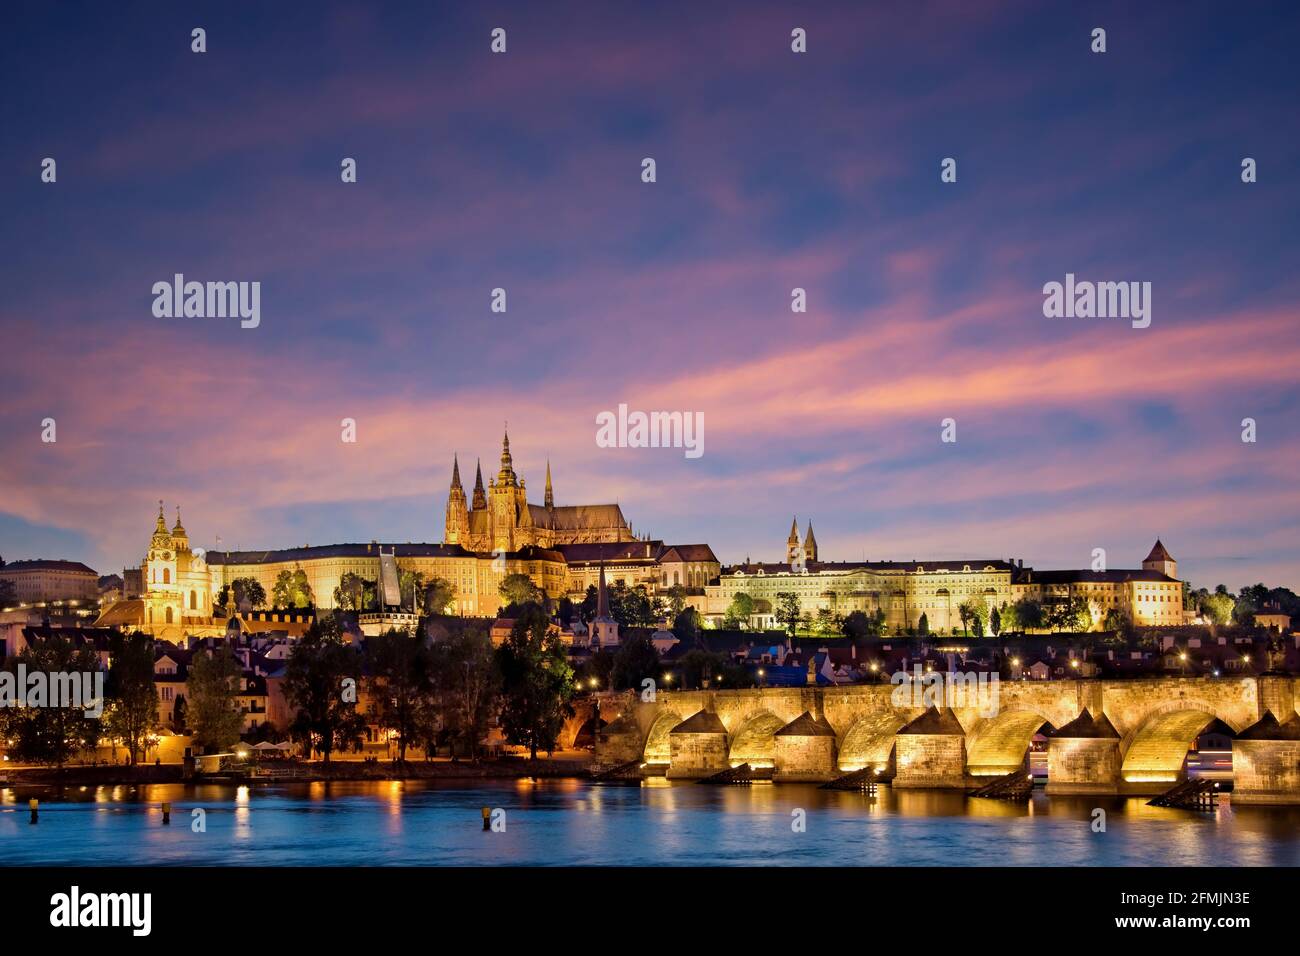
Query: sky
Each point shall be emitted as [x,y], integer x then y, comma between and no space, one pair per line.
[774,170]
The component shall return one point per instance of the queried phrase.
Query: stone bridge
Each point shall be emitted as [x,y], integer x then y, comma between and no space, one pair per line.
[1107,736]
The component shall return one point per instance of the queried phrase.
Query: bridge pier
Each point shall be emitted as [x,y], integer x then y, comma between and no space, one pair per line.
[804,751]
[931,752]
[1083,756]
[697,747]
[619,742]
[1266,762]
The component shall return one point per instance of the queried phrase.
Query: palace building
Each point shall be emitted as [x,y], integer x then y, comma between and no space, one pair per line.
[499,533]
[937,588]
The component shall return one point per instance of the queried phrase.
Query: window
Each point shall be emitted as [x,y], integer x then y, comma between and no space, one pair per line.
[167,575]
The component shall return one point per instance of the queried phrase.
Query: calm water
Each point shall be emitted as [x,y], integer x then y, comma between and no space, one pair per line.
[572,822]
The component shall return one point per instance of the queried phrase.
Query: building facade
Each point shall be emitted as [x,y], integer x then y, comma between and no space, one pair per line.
[40,582]
[904,591]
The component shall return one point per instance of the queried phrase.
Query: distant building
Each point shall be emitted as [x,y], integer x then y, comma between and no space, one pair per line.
[937,588]
[38,582]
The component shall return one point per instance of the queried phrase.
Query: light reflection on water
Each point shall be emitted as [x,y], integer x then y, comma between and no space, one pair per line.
[576,823]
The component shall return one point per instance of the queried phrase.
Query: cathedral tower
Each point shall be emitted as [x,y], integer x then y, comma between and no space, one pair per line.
[809,545]
[792,550]
[457,511]
[550,495]
[504,493]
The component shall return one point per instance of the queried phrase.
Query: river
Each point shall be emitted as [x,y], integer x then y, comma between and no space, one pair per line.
[571,822]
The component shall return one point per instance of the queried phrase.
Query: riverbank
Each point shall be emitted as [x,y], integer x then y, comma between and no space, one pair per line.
[569,766]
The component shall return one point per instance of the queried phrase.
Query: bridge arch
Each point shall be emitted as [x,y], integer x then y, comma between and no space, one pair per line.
[869,742]
[753,742]
[1155,750]
[657,745]
[998,744]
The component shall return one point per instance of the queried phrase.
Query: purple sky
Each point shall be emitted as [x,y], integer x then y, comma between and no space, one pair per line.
[775,170]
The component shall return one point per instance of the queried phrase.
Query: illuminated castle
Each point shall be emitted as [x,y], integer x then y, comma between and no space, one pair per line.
[501,519]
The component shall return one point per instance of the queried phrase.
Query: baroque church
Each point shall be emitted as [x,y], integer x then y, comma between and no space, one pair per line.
[501,519]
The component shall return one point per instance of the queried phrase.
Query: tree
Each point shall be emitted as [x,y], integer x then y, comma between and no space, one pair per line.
[739,611]
[438,595]
[8,594]
[519,589]
[828,622]
[321,670]
[1070,615]
[403,670]
[1120,620]
[787,611]
[635,660]
[42,732]
[971,611]
[214,706]
[923,625]
[1024,615]
[995,622]
[179,712]
[676,600]
[291,590]
[1219,608]
[598,667]
[354,593]
[687,625]
[536,683]
[132,701]
[250,591]
[302,592]
[466,681]
[976,610]
[282,590]
[859,624]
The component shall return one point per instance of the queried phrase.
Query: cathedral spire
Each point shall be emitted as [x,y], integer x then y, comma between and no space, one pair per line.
[810,544]
[507,474]
[550,495]
[455,472]
[480,497]
[602,597]
[162,522]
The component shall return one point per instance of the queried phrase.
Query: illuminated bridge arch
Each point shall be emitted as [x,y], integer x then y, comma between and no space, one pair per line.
[870,741]
[1156,750]
[657,749]
[753,742]
[998,745]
